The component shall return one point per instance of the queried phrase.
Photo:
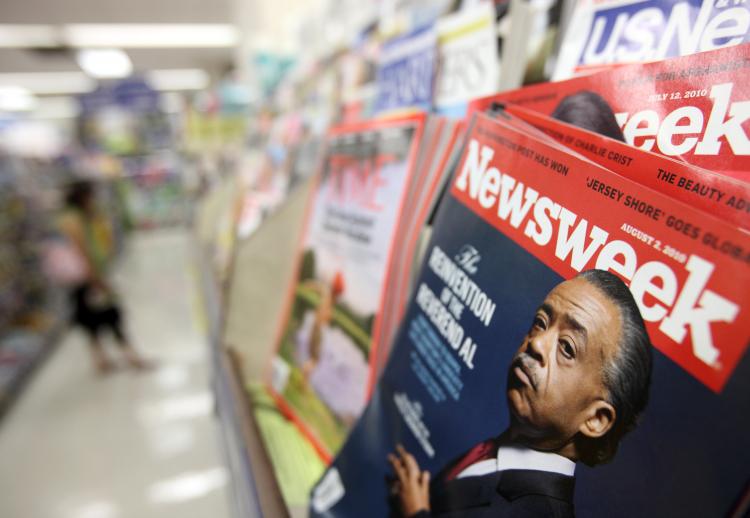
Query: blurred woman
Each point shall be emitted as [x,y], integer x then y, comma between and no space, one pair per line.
[95,307]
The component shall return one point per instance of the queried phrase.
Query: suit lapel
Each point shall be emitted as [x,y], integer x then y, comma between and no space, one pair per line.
[465,493]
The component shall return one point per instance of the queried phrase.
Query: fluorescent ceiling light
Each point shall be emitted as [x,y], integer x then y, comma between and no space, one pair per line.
[50,83]
[71,83]
[178,79]
[151,35]
[16,98]
[119,35]
[104,63]
[29,35]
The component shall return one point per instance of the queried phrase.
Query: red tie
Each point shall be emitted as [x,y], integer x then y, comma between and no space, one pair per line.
[483,451]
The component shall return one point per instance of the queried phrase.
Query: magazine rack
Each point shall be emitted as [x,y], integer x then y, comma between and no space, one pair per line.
[242,317]
[254,489]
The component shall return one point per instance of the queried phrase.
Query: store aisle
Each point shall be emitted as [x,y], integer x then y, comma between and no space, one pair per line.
[129,445]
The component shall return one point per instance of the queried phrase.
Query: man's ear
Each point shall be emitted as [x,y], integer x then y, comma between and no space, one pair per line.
[599,420]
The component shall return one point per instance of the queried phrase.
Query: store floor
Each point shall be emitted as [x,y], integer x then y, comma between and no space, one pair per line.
[128,445]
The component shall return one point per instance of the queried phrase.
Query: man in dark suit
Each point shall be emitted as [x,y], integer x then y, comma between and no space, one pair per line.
[575,387]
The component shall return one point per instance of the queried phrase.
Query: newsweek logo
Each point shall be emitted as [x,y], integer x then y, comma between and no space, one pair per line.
[687,130]
[653,30]
[681,305]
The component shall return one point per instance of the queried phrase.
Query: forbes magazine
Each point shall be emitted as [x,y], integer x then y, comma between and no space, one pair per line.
[565,352]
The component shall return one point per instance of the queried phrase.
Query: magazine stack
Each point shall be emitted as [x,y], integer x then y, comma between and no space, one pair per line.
[493,298]
[544,229]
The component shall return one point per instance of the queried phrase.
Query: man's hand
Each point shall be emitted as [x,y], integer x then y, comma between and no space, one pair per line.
[413,484]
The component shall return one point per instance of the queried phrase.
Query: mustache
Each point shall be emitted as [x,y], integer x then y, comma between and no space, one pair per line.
[526,364]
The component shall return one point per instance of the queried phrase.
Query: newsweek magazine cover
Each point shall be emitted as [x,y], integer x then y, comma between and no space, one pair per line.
[406,72]
[716,194]
[603,33]
[469,63]
[321,371]
[527,380]
[694,108]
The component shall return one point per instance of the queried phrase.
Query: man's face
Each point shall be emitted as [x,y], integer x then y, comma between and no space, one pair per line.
[558,370]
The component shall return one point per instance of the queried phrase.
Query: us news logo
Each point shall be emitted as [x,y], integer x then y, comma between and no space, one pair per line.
[468,258]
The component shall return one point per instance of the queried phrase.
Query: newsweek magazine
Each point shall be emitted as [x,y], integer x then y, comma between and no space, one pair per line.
[694,108]
[604,33]
[720,195]
[505,370]
[322,368]
[406,72]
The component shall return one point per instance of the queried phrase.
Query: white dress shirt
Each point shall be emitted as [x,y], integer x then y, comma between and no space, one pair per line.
[520,457]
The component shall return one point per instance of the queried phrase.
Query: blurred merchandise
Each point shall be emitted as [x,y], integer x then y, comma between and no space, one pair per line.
[32,309]
[123,127]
